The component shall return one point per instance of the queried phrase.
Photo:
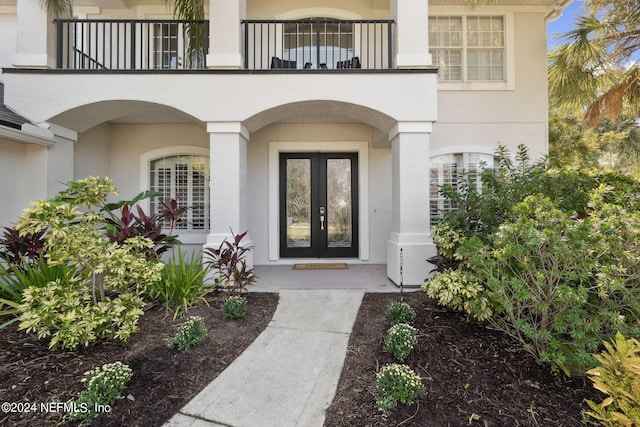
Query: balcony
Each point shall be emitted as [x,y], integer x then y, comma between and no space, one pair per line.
[111,44]
[318,44]
[153,45]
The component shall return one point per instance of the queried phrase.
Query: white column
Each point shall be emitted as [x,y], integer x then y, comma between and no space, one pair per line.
[410,215]
[36,39]
[228,160]
[225,36]
[411,33]
[52,166]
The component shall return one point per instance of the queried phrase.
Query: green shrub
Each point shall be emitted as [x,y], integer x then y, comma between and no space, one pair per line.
[101,295]
[618,376]
[459,290]
[397,383]
[182,284]
[15,278]
[234,307]
[191,333]
[65,313]
[401,312]
[558,283]
[103,387]
[549,256]
[400,340]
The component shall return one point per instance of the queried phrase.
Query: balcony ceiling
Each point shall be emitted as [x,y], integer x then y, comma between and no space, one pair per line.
[562,3]
[83,118]
[375,4]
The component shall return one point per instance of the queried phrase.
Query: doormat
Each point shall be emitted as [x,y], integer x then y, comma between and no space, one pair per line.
[318,266]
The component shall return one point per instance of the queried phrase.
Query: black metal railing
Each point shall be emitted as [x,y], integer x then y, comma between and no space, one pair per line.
[113,44]
[318,44]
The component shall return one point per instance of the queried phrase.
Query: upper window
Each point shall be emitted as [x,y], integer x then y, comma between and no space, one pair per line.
[165,45]
[447,170]
[185,177]
[468,48]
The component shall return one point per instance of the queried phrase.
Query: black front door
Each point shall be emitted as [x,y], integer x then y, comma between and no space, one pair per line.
[318,205]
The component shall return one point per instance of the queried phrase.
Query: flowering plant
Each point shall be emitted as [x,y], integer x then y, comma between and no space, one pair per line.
[397,383]
[192,332]
[104,386]
[401,312]
[401,338]
[235,307]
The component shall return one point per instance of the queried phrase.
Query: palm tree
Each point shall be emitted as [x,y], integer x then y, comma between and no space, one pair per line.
[595,69]
[192,10]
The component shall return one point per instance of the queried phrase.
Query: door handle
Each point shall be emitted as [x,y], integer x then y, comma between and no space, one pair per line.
[321,218]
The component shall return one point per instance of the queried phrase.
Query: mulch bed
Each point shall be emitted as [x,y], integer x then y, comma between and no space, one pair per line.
[163,380]
[473,376]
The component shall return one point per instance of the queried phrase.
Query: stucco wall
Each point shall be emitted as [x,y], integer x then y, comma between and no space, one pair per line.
[130,141]
[486,118]
[8,32]
[379,184]
[12,180]
[115,150]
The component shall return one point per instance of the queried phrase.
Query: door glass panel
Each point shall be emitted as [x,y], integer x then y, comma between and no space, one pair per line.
[339,214]
[298,203]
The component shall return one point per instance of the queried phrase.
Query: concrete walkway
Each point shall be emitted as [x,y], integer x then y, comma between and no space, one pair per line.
[288,375]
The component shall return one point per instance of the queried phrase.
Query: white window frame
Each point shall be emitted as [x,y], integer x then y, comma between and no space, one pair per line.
[185,236]
[508,83]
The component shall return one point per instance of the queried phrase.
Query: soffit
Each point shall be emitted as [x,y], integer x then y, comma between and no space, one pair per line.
[501,2]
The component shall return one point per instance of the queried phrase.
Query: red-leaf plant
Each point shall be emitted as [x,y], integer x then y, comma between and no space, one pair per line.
[228,261]
[154,227]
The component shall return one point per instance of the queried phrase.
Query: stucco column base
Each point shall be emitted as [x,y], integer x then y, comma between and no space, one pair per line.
[407,258]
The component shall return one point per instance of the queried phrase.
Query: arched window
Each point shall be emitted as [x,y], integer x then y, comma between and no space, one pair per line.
[184,176]
[446,170]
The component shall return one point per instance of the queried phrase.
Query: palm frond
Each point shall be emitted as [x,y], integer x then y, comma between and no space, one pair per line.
[61,8]
[611,103]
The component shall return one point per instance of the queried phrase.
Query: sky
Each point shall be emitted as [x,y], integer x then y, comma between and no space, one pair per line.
[565,23]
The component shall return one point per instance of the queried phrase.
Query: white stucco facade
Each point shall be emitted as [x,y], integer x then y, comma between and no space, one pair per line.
[114,123]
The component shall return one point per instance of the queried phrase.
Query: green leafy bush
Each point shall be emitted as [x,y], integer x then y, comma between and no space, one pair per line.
[618,376]
[15,278]
[459,290]
[192,332]
[558,283]
[101,295]
[401,312]
[397,383]
[182,284]
[64,312]
[400,340]
[551,257]
[103,387]
[234,307]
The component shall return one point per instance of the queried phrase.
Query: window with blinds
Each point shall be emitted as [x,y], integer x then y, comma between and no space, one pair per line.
[185,177]
[468,48]
[447,170]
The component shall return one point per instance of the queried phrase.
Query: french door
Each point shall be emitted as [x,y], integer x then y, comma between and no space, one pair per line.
[318,205]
